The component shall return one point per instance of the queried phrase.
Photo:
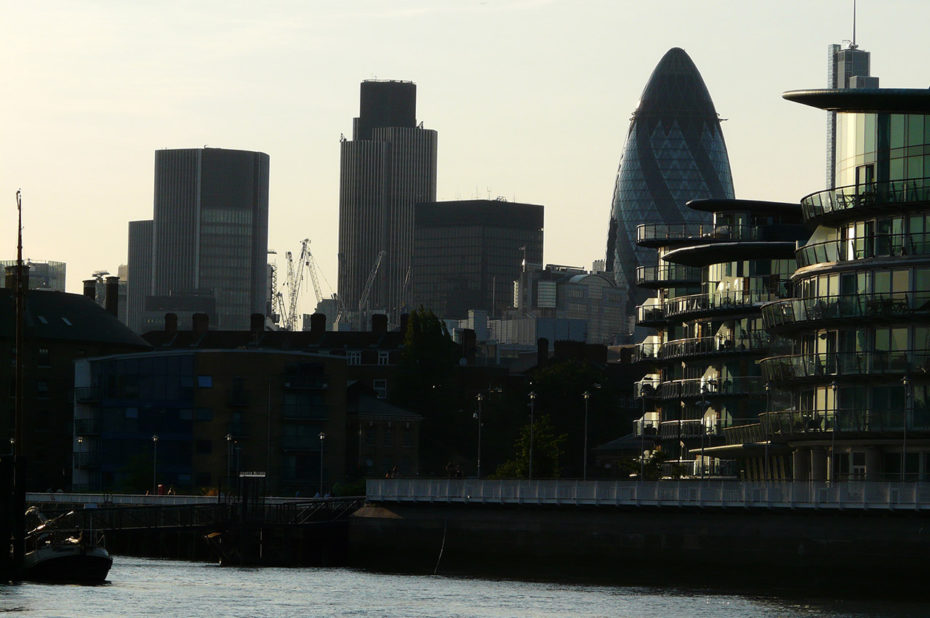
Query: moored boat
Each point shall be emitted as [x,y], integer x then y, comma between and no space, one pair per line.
[57,550]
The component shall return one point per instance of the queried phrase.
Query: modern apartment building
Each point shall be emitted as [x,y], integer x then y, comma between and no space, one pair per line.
[856,380]
[702,372]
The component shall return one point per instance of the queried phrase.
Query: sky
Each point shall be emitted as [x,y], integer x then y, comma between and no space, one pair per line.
[531,99]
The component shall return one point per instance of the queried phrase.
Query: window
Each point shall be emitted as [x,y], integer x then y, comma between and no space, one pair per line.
[43,358]
[384,358]
[205,381]
[380,388]
[354,357]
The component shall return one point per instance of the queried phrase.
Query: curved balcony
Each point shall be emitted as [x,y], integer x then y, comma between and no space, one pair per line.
[697,305]
[815,367]
[646,352]
[650,315]
[877,245]
[834,203]
[667,275]
[700,388]
[712,346]
[646,389]
[805,313]
[665,235]
[849,420]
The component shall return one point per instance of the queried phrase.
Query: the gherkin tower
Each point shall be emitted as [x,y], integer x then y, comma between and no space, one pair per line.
[674,153]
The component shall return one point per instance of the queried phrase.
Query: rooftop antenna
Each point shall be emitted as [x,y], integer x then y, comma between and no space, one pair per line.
[853,44]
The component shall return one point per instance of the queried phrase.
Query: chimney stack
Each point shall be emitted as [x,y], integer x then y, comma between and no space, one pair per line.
[90,289]
[112,298]
[378,323]
[542,352]
[200,323]
[256,325]
[317,326]
[171,325]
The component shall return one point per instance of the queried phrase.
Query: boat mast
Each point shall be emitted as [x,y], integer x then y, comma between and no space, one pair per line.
[18,445]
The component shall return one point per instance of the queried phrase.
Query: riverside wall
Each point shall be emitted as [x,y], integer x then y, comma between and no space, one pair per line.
[720,547]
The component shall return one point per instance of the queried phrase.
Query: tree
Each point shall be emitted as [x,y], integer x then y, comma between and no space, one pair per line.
[547,452]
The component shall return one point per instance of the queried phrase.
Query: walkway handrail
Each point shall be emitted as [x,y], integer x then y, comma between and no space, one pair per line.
[855,495]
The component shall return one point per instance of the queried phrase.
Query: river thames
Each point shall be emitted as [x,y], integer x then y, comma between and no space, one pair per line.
[143,587]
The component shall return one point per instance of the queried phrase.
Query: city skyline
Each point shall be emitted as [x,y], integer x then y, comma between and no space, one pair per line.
[97,88]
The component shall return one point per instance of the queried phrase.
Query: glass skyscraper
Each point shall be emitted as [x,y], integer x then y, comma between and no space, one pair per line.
[674,153]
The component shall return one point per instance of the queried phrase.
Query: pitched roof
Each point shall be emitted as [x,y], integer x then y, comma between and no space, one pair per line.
[59,316]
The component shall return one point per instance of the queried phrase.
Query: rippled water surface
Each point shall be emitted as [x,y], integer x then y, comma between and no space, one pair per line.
[140,587]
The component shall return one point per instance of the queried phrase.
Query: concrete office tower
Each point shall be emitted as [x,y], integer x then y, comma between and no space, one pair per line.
[846,68]
[209,238]
[43,275]
[467,254]
[387,167]
[674,153]
[139,272]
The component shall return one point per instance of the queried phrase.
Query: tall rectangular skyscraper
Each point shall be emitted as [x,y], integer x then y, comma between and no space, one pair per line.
[139,272]
[209,236]
[387,167]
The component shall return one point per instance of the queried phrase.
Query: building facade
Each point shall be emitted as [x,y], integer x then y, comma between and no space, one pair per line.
[674,152]
[467,254]
[42,275]
[209,238]
[702,362]
[847,67]
[385,170]
[856,378]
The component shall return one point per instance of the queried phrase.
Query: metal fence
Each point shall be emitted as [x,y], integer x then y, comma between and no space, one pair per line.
[723,494]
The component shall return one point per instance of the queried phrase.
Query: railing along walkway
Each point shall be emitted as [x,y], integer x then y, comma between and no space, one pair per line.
[720,494]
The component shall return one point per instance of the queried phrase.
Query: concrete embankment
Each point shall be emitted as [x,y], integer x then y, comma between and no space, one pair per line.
[777,548]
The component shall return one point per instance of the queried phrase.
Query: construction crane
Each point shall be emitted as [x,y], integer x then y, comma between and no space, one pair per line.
[363,299]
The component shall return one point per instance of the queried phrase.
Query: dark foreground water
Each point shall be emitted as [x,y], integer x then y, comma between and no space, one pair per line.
[141,587]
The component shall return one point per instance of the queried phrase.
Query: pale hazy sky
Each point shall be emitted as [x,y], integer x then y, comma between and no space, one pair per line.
[531,99]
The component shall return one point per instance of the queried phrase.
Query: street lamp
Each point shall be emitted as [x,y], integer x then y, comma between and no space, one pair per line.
[479,397]
[584,468]
[229,482]
[908,402]
[765,427]
[833,387]
[155,464]
[703,426]
[322,439]
[532,419]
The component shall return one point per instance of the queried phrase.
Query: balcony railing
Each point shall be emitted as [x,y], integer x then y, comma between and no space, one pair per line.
[812,366]
[646,352]
[696,388]
[801,311]
[703,346]
[852,495]
[865,196]
[667,275]
[646,389]
[714,302]
[650,315]
[850,420]
[878,245]
[654,234]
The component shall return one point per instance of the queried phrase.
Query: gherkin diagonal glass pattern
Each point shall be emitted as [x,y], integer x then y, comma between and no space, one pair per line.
[674,153]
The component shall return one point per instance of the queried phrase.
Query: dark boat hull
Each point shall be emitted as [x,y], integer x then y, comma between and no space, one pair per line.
[70,565]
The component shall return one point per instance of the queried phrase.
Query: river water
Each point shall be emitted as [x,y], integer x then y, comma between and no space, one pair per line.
[143,587]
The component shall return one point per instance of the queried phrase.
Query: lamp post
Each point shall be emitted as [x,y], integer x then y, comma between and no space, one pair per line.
[833,387]
[584,467]
[155,464]
[322,440]
[479,397]
[765,427]
[228,462]
[908,402]
[642,440]
[703,426]
[532,419]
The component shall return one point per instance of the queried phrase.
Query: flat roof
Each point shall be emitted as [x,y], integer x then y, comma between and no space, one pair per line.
[903,100]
